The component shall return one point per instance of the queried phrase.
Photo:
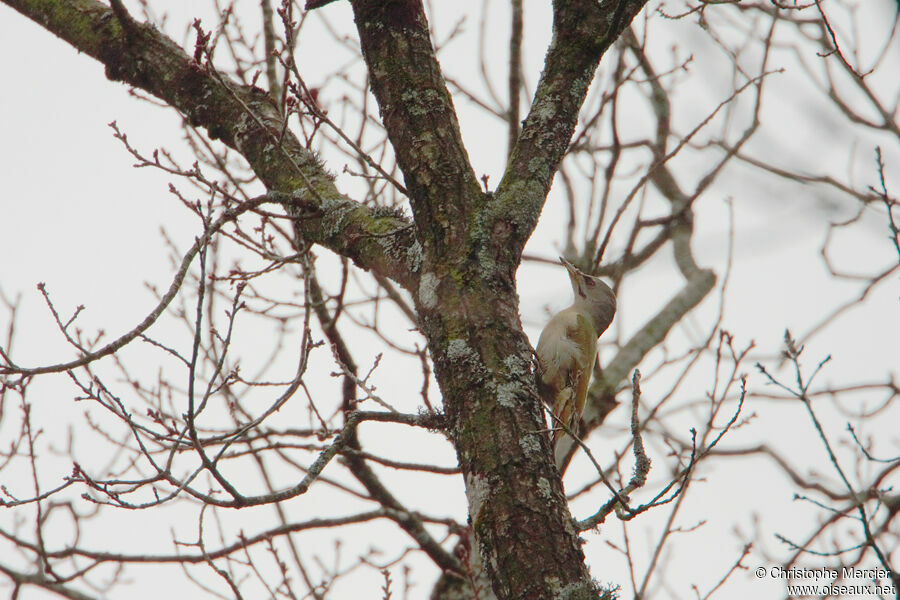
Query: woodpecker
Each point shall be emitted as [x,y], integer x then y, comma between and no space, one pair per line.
[567,348]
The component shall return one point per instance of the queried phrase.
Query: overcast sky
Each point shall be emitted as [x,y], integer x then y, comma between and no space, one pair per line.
[76,216]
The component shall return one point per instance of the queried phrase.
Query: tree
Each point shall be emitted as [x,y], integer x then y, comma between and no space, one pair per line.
[422,237]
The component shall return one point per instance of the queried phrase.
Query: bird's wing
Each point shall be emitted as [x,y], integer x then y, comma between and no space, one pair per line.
[557,351]
[566,351]
[585,337]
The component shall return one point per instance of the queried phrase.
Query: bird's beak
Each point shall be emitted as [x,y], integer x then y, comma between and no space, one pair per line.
[574,274]
[572,269]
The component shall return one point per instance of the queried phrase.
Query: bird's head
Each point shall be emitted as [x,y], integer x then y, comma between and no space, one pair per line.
[593,294]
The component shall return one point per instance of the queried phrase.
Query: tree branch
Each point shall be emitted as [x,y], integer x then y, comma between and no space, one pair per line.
[242,117]
[582,31]
[418,113]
